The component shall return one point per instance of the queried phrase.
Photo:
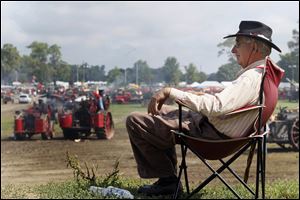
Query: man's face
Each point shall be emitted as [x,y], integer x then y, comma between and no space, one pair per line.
[242,51]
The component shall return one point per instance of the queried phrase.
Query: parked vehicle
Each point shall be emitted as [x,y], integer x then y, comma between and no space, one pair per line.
[7,99]
[80,120]
[122,98]
[30,122]
[128,96]
[285,129]
[24,98]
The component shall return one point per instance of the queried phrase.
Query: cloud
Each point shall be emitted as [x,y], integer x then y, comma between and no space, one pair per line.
[120,33]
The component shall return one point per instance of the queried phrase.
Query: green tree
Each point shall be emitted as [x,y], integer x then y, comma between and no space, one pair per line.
[39,51]
[39,54]
[192,74]
[171,70]
[227,72]
[143,72]
[290,61]
[158,75]
[26,68]
[114,75]
[55,62]
[63,72]
[10,60]
[97,73]
[54,55]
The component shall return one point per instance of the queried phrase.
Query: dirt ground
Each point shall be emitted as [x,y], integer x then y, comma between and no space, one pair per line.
[39,161]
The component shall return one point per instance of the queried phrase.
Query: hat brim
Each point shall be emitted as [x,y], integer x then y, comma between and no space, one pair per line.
[257,37]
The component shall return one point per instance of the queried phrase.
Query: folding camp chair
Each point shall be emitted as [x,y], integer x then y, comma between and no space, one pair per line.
[218,149]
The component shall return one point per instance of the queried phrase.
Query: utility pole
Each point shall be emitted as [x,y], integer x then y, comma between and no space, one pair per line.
[77,72]
[16,75]
[83,65]
[137,75]
[125,76]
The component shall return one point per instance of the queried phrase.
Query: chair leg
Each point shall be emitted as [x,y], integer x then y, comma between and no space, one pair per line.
[182,167]
[238,178]
[185,172]
[259,168]
[216,173]
[264,154]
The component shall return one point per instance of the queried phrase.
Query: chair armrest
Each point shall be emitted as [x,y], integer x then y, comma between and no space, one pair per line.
[181,103]
[244,109]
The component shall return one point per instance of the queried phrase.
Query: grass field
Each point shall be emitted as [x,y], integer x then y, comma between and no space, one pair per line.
[119,113]
[286,103]
[72,189]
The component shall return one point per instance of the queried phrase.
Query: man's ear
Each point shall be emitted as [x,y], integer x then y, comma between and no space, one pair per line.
[255,47]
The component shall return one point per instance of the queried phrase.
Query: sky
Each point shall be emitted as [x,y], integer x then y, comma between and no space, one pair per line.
[120,33]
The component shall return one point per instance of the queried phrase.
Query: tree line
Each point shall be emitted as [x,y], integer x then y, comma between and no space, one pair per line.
[45,64]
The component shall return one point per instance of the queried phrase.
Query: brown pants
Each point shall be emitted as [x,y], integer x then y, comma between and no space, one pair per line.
[153,144]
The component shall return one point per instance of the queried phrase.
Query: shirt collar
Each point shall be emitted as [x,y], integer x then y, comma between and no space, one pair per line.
[252,65]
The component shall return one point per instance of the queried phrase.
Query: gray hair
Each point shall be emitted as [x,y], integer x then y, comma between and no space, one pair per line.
[264,49]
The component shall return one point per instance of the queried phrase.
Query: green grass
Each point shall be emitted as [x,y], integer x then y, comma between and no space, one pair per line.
[72,189]
[286,103]
[119,113]
[7,124]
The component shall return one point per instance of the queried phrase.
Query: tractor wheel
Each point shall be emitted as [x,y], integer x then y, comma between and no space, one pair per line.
[108,131]
[294,134]
[19,136]
[73,134]
[29,135]
[66,134]
[47,136]
[100,133]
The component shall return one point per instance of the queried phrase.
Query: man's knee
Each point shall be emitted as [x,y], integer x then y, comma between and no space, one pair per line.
[130,118]
[133,119]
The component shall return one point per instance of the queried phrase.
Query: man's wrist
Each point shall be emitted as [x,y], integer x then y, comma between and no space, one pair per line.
[167,91]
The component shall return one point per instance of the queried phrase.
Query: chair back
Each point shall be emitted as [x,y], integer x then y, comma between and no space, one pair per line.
[269,87]
[217,149]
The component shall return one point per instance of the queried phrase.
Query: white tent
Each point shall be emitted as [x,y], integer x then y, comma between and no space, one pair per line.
[195,85]
[210,84]
[226,83]
[283,85]
[15,83]
[182,84]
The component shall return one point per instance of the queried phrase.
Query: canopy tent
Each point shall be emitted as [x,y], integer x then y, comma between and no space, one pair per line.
[210,84]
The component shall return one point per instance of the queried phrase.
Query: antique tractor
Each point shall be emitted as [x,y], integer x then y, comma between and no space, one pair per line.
[30,122]
[81,119]
[284,130]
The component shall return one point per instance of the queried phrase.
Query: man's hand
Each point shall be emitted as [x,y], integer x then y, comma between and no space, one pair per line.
[157,100]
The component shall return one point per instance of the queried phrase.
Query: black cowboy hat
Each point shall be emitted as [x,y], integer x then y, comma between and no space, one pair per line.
[256,30]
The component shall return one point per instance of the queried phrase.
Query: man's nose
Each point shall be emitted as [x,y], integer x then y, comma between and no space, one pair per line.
[233,50]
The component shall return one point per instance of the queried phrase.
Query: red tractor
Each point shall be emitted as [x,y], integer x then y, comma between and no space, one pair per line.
[122,97]
[87,117]
[30,122]
[128,96]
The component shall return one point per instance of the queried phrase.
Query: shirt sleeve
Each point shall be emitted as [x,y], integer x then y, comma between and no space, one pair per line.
[243,91]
